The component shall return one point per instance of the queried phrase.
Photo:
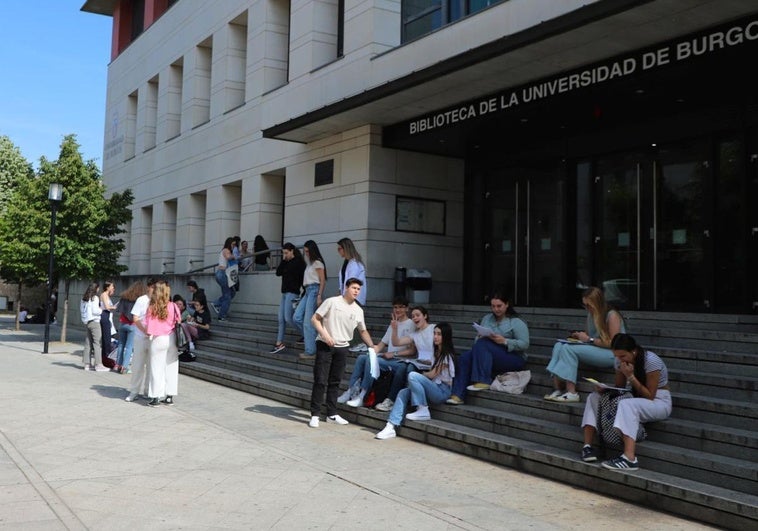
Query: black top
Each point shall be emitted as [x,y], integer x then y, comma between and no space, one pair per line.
[291,272]
[199,295]
[203,318]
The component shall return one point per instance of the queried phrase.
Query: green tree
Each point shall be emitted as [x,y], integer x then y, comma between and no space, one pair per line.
[15,174]
[87,245]
[13,167]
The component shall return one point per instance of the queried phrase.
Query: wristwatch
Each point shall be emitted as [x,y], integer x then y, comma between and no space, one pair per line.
[592,340]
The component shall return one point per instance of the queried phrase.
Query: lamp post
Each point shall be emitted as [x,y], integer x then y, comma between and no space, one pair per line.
[55,195]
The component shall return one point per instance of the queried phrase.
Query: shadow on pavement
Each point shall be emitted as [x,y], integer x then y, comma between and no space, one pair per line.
[110,391]
[282,412]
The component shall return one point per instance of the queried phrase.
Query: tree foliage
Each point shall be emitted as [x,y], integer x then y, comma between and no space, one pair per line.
[87,243]
[13,168]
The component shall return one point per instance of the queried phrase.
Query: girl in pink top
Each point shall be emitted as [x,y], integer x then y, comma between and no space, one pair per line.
[162,317]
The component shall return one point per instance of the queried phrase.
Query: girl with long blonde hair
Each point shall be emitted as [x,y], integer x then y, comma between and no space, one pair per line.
[591,346]
[162,317]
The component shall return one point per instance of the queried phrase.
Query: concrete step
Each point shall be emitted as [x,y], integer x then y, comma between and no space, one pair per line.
[702,501]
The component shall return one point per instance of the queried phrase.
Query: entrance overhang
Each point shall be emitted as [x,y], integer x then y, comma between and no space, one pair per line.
[587,35]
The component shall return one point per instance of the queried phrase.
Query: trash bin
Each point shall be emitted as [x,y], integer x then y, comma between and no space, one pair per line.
[400,275]
[419,282]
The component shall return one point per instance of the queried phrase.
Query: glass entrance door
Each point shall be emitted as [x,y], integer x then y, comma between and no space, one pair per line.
[525,235]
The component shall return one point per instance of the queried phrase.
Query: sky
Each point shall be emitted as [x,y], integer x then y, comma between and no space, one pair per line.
[53,69]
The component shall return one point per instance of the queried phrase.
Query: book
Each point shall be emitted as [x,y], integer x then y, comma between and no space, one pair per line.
[483,330]
[419,364]
[604,386]
[572,340]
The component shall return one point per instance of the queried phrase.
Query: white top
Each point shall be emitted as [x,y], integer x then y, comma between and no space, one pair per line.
[424,341]
[90,310]
[222,261]
[448,373]
[357,270]
[341,319]
[140,311]
[404,328]
[311,275]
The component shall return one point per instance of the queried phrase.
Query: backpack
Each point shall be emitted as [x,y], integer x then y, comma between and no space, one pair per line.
[380,390]
[606,415]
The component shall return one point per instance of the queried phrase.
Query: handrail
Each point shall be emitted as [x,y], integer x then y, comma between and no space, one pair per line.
[276,256]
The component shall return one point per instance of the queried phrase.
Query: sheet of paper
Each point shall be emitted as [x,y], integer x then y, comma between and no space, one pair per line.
[604,386]
[483,330]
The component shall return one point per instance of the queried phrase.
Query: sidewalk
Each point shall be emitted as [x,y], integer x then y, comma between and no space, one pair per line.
[75,455]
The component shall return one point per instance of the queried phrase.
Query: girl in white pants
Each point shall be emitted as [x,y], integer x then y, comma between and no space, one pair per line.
[646,375]
[162,317]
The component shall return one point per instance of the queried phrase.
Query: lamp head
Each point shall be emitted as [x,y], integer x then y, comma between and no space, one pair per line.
[56,192]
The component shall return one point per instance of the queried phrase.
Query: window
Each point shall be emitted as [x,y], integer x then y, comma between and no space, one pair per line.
[138,18]
[424,16]
[324,172]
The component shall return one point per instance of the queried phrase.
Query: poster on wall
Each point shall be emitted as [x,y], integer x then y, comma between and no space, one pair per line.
[413,214]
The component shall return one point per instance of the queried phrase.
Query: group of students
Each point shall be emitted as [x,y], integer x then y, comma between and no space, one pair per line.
[307,270]
[147,348]
[425,370]
[234,258]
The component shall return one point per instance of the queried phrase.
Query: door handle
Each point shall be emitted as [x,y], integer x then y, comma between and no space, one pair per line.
[487,246]
[707,233]
[754,231]
[597,239]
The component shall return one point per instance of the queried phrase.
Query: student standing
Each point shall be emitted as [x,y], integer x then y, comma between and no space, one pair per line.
[89,309]
[335,321]
[291,269]
[162,316]
[314,282]
[140,353]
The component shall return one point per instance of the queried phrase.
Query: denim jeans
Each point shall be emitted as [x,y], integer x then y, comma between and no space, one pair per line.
[286,313]
[489,359]
[227,294]
[327,374]
[421,391]
[302,318]
[362,372]
[125,344]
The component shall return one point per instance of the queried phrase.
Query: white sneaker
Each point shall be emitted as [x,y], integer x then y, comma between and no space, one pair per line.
[552,396]
[386,405]
[361,347]
[132,397]
[337,420]
[567,397]
[387,433]
[192,346]
[88,367]
[422,413]
[313,422]
[344,397]
[102,368]
[355,402]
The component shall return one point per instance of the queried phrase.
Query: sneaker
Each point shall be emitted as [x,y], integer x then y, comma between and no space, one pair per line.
[337,420]
[154,402]
[478,387]
[361,347]
[300,341]
[621,463]
[88,367]
[214,306]
[277,348]
[388,432]
[422,413]
[589,455]
[454,400]
[192,346]
[221,319]
[552,396]
[132,397]
[116,368]
[102,368]
[385,405]
[169,400]
[357,401]
[306,356]
[313,423]
[344,397]
[567,397]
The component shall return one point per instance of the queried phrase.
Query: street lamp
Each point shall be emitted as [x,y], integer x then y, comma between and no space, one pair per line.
[55,195]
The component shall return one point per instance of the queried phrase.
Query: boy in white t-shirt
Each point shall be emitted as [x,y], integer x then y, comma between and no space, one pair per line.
[335,322]
[361,380]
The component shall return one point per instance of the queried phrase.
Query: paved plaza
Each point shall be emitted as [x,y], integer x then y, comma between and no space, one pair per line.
[75,455]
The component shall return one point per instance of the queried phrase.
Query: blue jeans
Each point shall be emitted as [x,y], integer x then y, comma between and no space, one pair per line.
[421,391]
[125,344]
[227,294]
[286,312]
[302,318]
[566,357]
[482,363]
